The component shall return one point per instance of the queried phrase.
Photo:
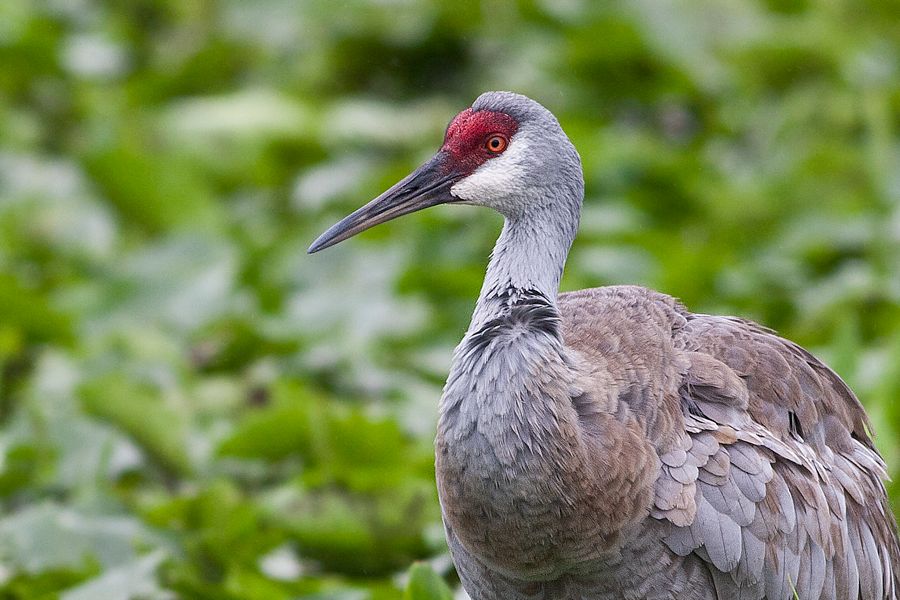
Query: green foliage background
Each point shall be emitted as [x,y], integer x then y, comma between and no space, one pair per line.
[191,407]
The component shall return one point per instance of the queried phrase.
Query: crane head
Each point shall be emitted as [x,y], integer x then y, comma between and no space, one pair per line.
[506,152]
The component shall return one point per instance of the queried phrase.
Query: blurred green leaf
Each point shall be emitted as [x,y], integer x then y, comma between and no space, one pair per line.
[276,431]
[44,585]
[337,444]
[48,536]
[26,312]
[136,579]
[425,584]
[153,188]
[140,412]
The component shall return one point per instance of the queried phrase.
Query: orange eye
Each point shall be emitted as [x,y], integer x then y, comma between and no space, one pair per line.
[496,144]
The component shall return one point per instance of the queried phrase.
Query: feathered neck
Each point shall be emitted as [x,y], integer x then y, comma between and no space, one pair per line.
[527,261]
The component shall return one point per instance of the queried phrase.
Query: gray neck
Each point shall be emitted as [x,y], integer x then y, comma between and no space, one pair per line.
[529,256]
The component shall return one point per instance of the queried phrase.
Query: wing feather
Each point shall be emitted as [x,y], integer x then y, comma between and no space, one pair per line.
[782,470]
[767,475]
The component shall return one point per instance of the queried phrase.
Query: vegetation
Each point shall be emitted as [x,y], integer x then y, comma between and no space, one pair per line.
[192,407]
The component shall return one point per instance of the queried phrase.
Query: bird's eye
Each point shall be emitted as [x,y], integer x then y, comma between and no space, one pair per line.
[496,144]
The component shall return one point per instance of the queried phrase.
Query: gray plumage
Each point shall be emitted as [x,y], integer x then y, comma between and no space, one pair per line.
[608,443]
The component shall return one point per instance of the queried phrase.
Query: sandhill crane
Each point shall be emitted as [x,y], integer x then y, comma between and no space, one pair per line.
[608,443]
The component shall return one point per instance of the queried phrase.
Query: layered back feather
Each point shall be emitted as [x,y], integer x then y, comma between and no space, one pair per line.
[767,472]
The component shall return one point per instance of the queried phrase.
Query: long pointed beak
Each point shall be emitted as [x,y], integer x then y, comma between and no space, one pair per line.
[429,185]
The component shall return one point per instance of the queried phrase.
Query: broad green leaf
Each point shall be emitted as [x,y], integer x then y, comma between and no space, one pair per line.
[153,188]
[425,584]
[337,443]
[135,579]
[49,536]
[25,312]
[140,412]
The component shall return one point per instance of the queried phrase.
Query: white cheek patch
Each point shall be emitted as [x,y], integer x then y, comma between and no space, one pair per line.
[497,179]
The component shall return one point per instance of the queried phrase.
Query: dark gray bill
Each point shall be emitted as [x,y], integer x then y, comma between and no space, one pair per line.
[429,185]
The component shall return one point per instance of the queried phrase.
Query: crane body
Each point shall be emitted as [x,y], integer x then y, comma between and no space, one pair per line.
[608,443]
